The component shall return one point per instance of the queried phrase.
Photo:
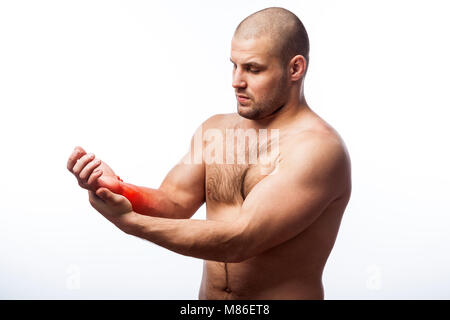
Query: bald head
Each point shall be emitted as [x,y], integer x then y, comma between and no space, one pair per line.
[283,28]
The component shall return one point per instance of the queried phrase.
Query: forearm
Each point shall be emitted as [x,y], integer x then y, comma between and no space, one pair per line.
[203,239]
[151,202]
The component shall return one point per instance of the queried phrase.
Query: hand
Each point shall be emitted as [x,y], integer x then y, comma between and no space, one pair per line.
[114,207]
[92,173]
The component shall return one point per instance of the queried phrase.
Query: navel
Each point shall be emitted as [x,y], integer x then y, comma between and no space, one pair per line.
[227,287]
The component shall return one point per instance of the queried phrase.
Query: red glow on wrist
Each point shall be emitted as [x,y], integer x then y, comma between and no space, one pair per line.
[136,195]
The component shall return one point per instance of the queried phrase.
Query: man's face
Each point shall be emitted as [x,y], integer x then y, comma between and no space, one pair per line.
[259,76]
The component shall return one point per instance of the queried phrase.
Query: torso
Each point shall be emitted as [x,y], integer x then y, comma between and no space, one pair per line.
[292,270]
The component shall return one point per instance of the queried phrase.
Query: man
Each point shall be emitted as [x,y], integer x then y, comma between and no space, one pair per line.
[271,222]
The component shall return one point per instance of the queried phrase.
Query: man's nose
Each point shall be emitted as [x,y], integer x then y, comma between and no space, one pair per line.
[238,81]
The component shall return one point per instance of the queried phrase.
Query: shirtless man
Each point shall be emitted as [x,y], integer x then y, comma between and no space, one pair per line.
[270,225]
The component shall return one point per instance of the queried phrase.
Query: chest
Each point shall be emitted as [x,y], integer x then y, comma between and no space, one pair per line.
[236,161]
[231,183]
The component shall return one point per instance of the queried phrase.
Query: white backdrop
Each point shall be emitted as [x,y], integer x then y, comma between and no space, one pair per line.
[131,80]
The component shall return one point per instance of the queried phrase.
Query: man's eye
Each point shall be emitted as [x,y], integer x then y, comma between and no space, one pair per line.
[254,70]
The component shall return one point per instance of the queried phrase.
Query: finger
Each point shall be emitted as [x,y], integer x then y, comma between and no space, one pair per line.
[87,170]
[94,176]
[108,196]
[76,154]
[82,162]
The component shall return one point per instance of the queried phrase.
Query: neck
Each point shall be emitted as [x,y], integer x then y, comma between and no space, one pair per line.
[282,116]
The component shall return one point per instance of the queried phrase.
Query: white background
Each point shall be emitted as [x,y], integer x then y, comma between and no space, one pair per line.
[132,80]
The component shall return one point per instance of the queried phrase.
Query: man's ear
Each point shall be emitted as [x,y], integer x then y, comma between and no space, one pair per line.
[297,67]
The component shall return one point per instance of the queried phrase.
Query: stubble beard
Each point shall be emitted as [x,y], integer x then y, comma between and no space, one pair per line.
[267,105]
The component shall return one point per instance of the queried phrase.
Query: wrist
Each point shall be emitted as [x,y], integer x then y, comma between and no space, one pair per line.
[140,198]
[120,184]
[128,222]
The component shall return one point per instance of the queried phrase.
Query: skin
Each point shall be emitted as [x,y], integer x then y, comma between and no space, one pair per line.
[274,242]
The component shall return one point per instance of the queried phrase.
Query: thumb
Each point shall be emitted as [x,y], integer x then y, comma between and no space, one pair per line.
[107,196]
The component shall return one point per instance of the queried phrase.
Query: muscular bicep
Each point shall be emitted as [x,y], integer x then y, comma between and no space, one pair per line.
[184,185]
[284,204]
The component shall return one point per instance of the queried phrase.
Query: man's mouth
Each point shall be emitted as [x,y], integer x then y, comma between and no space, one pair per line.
[242,99]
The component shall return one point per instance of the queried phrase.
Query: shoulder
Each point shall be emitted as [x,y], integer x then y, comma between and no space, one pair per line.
[318,156]
[219,121]
[317,143]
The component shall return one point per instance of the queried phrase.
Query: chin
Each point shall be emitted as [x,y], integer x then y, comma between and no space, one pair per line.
[247,112]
